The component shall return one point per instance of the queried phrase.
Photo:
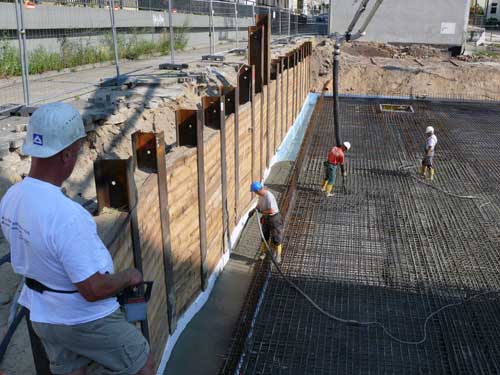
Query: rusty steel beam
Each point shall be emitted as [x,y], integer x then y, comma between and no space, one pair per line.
[255,54]
[264,21]
[185,125]
[202,198]
[211,111]
[244,83]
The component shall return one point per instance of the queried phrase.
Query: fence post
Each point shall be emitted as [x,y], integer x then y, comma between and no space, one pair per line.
[211,28]
[279,20]
[113,31]
[289,19]
[236,21]
[171,27]
[21,34]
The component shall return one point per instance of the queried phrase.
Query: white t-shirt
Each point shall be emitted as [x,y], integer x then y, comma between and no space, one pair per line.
[267,202]
[431,143]
[54,241]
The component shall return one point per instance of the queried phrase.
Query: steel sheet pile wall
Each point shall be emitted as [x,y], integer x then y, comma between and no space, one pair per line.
[389,249]
[177,246]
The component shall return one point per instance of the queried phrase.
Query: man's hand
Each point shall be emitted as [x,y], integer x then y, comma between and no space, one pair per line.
[101,286]
[135,277]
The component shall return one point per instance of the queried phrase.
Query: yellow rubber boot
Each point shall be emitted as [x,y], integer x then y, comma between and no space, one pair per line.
[263,250]
[432,172]
[325,183]
[277,251]
[422,170]
[329,190]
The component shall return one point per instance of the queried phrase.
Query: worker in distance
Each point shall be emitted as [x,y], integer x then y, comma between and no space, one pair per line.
[427,169]
[271,220]
[70,283]
[336,157]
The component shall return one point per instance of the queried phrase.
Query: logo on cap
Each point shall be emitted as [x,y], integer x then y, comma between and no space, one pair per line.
[38,139]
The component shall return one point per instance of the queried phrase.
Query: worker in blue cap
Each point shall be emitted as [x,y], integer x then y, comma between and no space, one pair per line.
[272,223]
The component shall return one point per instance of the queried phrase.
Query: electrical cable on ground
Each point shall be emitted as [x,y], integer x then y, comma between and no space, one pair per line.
[358,323]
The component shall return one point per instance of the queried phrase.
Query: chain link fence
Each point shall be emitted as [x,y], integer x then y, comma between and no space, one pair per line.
[55,49]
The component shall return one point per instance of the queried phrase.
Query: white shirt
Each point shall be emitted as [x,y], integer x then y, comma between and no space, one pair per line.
[431,143]
[267,202]
[54,241]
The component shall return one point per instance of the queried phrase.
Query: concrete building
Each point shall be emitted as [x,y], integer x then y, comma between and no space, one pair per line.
[436,22]
[492,9]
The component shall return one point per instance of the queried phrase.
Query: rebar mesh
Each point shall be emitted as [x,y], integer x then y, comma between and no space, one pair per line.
[389,249]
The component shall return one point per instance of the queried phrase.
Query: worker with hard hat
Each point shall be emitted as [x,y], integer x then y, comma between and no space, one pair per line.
[272,223]
[336,157]
[427,169]
[70,280]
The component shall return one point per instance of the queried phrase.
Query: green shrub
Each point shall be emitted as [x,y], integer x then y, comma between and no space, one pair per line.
[10,60]
[77,52]
[41,60]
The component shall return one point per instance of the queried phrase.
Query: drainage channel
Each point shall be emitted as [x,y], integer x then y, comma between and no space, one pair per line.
[387,249]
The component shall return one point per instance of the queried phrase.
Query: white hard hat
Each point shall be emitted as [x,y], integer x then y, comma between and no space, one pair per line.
[429,129]
[51,129]
[347,145]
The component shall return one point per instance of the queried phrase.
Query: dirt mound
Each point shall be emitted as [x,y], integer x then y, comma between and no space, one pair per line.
[370,49]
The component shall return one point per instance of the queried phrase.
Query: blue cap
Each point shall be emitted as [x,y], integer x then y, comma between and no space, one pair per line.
[256,186]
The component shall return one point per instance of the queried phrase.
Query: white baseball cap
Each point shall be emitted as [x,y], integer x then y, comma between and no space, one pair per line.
[347,145]
[51,129]
[429,129]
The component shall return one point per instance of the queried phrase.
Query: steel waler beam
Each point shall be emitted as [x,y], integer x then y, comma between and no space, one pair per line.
[149,157]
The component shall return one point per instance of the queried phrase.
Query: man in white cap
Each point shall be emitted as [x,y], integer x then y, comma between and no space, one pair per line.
[427,161]
[336,157]
[70,280]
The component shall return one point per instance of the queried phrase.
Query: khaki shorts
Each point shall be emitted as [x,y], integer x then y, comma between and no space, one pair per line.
[111,342]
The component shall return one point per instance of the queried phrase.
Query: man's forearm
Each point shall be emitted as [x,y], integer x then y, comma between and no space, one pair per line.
[101,286]
[113,284]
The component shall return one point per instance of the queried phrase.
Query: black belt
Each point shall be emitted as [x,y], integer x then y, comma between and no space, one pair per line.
[37,286]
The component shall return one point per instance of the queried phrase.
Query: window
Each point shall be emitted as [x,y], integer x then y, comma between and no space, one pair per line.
[494,7]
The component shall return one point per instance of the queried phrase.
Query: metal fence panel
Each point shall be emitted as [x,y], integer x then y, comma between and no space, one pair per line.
[70,45]
[11,81]
[63,40]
